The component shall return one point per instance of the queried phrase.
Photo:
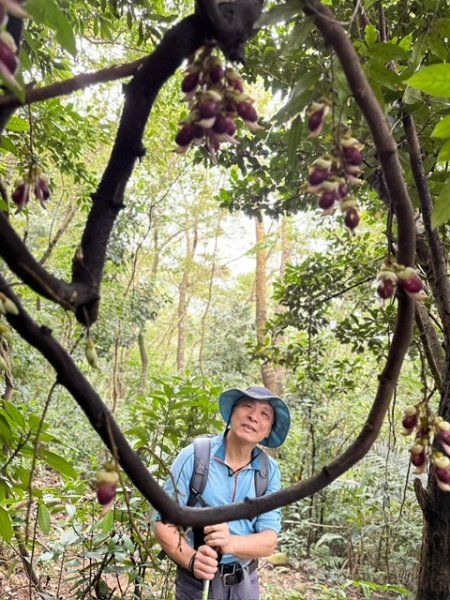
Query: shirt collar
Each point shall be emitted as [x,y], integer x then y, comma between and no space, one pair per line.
[218,446]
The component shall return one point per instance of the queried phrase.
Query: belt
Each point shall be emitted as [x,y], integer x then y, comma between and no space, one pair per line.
[233,573]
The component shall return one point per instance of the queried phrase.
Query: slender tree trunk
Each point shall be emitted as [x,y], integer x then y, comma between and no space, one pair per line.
[191,243]
[267,370]
[208,302]
[286,251]
[144,362]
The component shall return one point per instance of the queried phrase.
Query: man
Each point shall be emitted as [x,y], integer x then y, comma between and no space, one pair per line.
[229,550]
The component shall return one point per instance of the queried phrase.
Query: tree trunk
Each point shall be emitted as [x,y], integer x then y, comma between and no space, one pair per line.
[434,570]
[191,244]
[286,251]
[267,369]
[144,362]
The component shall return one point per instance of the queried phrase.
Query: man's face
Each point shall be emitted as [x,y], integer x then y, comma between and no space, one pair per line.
[252,420]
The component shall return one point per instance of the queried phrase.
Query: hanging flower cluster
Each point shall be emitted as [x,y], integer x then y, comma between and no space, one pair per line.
[428,426]
[9,62]
[392,274]
[332,175]
[216,98]
[34,181]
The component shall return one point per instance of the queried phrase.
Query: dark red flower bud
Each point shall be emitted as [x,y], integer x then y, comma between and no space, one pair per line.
[189,83]
[443,475]
[216,73]
[409,421]
[386,290]
[318,176]
[327,199]
[418,459]
[208,109]
[231,129]
[220,124]
[353,156]
[21,195]
[185,136]
[237,85]
[315,120]
[351,218]
[106,493]
[197,131]
[247,112]
[8,58]
[413,285]
[41,189]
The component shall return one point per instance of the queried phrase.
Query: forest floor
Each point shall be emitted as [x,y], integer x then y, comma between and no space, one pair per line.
[276,583]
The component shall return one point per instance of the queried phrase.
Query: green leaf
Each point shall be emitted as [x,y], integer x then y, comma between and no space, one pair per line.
[441,210]
[106,524]
[377,71]
[442,129]
[14,413]
[279,14]
[6,426]
[300,33]
[370,35]
[69,536]
[433,80]
[388,52]
[444,153]
[48,13]
[299,97]
[6,528]
[44,518]
[8,145]
[17,124]
[58,463]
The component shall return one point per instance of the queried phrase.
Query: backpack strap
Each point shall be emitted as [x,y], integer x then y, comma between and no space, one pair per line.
[199,477]
[262,475]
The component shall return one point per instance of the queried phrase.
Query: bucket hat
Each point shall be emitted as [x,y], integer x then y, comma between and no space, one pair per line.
[280,428]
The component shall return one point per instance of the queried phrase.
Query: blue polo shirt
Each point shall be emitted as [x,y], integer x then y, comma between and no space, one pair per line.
[226,487]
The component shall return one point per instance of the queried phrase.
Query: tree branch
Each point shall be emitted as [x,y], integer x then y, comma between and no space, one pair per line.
[82,295]
[80,82]
[30,271]
[179,43]
[101,419]
[440,282]
[431,344]
[231,24]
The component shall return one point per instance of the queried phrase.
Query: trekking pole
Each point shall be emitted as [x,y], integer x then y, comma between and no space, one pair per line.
[205,589]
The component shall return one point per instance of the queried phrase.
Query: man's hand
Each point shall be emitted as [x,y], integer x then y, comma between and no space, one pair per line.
[206,563]
[218,536]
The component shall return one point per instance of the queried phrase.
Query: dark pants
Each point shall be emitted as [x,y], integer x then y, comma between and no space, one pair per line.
[188,588]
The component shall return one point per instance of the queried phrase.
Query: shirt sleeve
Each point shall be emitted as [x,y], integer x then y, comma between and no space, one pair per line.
[271,519]
[177,482]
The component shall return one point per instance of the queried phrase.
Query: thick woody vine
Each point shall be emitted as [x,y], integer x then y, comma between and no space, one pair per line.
[81,295]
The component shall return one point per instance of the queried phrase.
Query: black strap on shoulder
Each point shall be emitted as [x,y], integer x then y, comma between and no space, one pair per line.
[199,477]
[262,475]
[200,471]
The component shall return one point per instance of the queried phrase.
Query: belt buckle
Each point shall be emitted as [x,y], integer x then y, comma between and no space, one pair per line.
[229,579]
[225,579]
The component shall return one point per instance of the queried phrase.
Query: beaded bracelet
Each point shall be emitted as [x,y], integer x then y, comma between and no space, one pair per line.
[191,564]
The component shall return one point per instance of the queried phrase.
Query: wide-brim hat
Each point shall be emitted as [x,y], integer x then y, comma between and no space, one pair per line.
[282,423]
